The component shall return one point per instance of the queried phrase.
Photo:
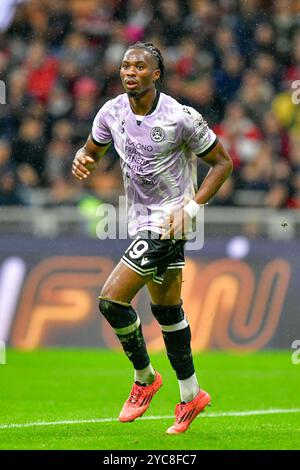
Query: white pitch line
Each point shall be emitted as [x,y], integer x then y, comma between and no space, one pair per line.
[111,420]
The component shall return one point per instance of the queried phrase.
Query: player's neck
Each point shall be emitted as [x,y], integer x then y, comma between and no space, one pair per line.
[142,104]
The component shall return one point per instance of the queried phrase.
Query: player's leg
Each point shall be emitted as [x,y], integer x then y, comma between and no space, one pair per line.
[115,306]
[166,307]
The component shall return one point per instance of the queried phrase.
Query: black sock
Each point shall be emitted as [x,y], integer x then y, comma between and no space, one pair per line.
[177,337]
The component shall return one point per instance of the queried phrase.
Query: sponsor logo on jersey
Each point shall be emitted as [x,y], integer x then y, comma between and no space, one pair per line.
[157,134]
[186,110]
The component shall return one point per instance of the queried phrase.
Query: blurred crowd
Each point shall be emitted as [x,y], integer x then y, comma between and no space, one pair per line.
[236,61]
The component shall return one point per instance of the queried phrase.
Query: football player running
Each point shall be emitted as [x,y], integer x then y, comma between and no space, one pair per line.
[158,141]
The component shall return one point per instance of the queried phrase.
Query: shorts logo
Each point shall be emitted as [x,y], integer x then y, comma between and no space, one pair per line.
[157,134]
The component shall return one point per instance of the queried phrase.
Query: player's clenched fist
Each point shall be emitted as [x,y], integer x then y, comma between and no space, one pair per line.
[82,166]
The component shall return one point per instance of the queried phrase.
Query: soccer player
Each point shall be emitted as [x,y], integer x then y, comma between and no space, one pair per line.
[158,141]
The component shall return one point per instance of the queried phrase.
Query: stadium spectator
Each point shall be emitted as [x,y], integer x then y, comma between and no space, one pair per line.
[255,95]
[29,147]
[9,189]
[239,134]
[41,71]
[278,196]
[275,135]
[5,156]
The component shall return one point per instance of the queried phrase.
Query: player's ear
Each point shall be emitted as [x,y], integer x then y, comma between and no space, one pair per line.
[156,75]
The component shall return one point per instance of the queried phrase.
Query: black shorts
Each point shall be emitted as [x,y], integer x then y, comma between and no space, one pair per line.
[147,254]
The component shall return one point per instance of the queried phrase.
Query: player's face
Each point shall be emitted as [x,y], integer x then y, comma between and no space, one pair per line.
[138,72]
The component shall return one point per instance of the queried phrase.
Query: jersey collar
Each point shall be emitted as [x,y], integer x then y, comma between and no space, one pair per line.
[153,107]
[155,103]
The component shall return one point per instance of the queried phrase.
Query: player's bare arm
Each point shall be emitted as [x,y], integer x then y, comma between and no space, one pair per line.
[221,167]
[87,159]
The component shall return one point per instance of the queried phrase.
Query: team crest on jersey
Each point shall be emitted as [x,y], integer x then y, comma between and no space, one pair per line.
[157,134]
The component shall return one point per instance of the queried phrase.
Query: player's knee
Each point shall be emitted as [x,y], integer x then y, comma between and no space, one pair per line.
[108,307]
[118,314]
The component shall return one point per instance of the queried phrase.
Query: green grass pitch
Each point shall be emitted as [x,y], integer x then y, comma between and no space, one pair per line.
[59,385]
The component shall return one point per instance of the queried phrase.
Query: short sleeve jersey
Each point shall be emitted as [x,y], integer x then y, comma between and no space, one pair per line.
[157,156]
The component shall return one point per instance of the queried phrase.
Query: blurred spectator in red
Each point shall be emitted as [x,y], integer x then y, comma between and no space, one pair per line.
[187,65]
[239,134]
[41,69]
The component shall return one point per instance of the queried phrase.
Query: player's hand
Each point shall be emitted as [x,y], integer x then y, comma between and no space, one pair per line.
[82,166]
[176,225]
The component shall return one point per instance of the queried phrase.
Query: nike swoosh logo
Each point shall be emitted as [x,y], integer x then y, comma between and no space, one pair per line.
[144,261]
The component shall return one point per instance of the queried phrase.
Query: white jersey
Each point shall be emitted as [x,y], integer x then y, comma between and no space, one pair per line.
[158,156]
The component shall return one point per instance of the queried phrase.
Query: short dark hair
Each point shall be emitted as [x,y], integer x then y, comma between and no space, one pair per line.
[148,46]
